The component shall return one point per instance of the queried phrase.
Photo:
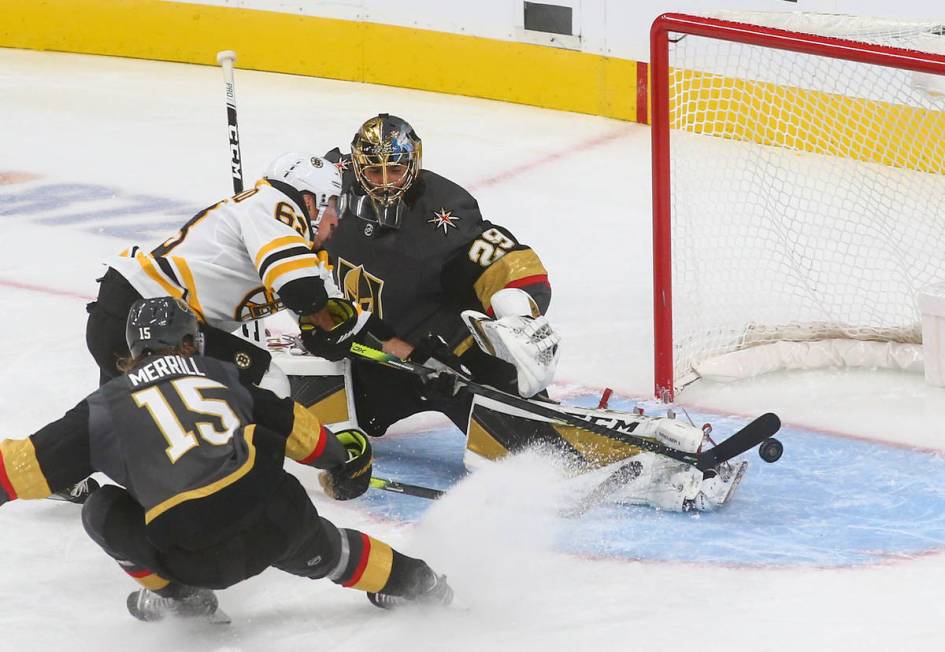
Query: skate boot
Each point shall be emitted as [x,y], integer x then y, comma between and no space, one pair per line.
[77,493]
[148,606]
[717,490]
[438,594]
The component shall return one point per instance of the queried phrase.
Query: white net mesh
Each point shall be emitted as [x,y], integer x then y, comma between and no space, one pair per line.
[807,193]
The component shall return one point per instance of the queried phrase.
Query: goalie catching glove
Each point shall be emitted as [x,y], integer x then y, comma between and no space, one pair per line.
[352,478]
[334,343]
[518,335]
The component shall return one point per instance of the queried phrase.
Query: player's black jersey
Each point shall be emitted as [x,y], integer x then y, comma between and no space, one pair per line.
[443,259]
[194,447]
[172,425]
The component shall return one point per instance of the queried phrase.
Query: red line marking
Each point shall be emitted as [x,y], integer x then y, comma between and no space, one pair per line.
[11,177]
[528,166]
[16,285]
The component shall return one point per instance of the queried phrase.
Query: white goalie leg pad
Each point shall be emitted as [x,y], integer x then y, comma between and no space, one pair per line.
[526,342]
[664,483]
[671,432]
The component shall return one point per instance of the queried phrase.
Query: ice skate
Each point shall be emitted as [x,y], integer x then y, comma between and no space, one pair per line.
[717,491]
[77,493]
[148,606]
[439,594]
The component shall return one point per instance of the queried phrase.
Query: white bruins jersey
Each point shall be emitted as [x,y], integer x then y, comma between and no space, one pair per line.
[229,262]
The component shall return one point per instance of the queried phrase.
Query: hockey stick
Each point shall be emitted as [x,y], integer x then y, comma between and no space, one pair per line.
[406,489]
[748,437]
[226,59]
[625,473]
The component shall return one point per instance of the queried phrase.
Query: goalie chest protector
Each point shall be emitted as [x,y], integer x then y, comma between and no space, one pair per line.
[405,275]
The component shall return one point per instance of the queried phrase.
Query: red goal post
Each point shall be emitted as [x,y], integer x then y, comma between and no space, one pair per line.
[760,122]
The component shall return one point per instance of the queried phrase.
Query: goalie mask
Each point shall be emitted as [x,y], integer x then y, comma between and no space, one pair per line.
[385,155]
[311,174]
[160,323]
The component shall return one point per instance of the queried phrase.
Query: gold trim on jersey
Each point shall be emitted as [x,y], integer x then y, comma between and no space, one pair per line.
[147,264]
[188,277]
[22,468]
[511,267]
[287,267]
[377,571]
[305,435]
[189,294]
[272,245]
[213,487]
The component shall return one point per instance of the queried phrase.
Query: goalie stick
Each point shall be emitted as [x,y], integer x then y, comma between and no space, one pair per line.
[745,439]
[622,475]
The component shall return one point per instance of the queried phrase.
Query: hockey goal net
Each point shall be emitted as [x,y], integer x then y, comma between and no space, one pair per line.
[798,190]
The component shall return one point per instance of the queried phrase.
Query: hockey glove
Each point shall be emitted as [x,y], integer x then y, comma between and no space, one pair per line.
[528,343]
[352,478]
[333,344]
[435,353]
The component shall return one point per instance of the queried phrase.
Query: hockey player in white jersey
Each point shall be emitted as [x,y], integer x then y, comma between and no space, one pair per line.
[242,259]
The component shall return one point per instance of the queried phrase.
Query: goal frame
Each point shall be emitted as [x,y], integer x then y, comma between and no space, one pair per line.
[675,23]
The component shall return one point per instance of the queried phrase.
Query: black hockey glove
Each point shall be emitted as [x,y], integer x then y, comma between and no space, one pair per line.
[333,344]
[434,352]
[352,478]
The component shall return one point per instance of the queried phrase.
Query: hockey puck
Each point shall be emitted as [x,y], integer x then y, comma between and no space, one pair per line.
[770,450]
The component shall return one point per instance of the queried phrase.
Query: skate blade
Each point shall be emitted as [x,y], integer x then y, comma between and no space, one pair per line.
[219,617]
[733,485]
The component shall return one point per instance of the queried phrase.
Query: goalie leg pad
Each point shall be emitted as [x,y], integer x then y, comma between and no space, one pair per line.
[663,483]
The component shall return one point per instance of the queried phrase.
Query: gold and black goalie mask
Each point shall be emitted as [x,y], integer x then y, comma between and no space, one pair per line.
[385,155]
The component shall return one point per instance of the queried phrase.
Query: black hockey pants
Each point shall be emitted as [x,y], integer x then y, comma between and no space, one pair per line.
[384,396]
[288,535]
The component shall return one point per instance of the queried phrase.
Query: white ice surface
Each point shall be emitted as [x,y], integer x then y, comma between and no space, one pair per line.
[574,187]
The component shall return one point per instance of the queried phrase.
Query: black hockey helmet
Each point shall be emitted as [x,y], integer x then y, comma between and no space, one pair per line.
[159,323]
[386,157]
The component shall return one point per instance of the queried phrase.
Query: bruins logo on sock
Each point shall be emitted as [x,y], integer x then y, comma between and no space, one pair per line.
[360,286]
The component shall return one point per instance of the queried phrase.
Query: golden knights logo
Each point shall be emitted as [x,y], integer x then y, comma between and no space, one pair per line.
[360,286]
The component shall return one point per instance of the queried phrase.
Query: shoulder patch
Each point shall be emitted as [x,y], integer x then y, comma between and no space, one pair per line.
[444,219]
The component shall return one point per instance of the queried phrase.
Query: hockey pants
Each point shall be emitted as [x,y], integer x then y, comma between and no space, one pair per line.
[288,535]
